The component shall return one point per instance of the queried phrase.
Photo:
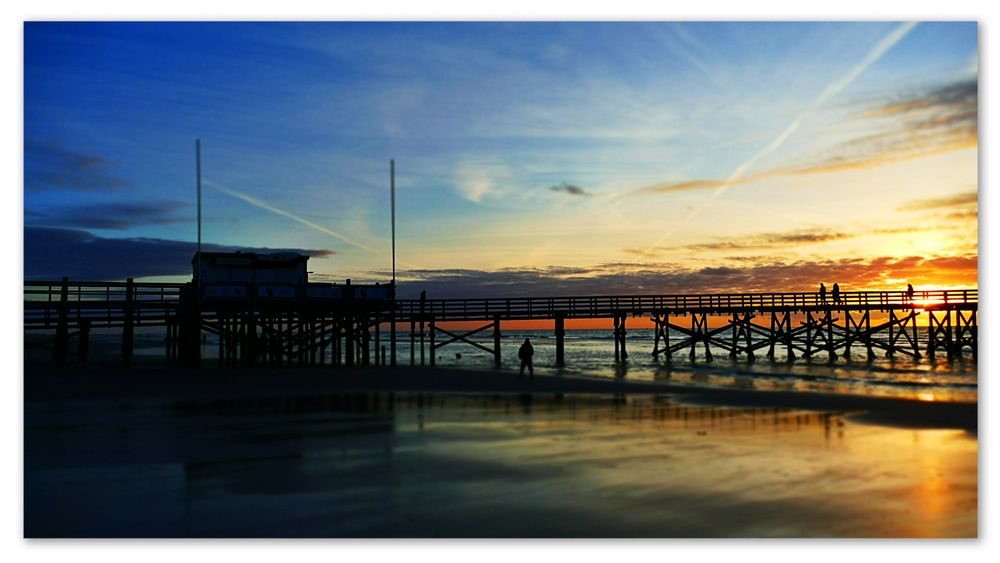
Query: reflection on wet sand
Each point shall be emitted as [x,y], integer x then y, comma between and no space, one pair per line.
[437,465]
[940,381]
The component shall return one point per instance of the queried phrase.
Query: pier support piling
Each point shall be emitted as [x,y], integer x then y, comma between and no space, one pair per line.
[61,345]
[496,341]
[560,331]
[433,347]
[392,337]
[413,343]
[661,332]
[128,339]
[621,352]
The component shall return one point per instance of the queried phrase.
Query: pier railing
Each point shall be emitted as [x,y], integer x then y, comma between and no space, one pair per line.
[527,308]
[104,303]
[99,303]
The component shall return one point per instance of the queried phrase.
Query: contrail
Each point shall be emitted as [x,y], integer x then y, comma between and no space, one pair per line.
[887,42]
[264,205]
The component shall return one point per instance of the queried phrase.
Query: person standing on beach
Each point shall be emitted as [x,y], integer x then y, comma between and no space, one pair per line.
[836,294]
[822,293]
[525,353]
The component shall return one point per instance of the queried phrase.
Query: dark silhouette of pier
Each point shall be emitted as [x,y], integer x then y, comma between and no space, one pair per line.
[344,324]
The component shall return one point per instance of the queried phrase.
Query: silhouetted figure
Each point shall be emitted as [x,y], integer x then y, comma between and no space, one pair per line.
[909,292]
[423,302]
[836,293]
[525,353]
[822,293]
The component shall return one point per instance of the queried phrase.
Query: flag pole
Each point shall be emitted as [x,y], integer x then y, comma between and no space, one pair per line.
[392,196]
[197,160]
[197,166]
[392,315]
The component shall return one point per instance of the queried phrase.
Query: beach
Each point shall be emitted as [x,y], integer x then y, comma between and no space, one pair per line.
[430,278]
[422,452]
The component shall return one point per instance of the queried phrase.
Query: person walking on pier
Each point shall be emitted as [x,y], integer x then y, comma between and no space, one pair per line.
[822,293]
[836,294]
[909,292]
[525,353]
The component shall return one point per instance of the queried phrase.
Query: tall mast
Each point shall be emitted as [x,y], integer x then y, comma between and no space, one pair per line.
[392,196]
[197,166]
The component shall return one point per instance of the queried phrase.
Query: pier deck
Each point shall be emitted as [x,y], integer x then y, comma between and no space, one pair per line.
[304,329]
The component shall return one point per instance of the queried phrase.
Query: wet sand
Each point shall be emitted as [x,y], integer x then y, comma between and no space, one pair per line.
[170,384]
[458,453]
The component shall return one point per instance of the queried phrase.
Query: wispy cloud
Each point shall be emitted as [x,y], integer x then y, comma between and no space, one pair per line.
[109,216]
[915,125]
[963,215]
[474,183]
[957,200]
[831,90]
[769,241]
[569,189]
[51,166]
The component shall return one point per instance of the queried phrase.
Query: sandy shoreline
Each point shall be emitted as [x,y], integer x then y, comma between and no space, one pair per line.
[171,385]
[443,452]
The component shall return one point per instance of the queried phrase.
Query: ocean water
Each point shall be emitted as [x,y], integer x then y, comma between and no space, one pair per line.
[590,353]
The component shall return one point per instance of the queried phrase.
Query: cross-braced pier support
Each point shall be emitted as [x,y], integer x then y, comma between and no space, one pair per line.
[661,332]
[939,333]
[966,332]
[953,336]
[699,333]
[818,328]
[781,333]
[858,329]
[742,343]
[903,328]
[819,332]
[465,338]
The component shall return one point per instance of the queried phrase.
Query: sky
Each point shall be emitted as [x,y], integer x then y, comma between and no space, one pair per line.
[531,158]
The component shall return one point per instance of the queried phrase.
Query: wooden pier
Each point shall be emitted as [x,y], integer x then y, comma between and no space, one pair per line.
[308,327]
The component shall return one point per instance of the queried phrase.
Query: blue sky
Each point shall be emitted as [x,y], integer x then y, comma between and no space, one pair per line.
[625,152]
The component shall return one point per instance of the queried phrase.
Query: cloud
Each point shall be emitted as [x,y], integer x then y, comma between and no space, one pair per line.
[951,102]
[51,253]
[963,215]
[476,180]
[766,275]
[109,216]
[50,166]
[765,241]
[957,200]
[773,240]
[913,125]
[569,189]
